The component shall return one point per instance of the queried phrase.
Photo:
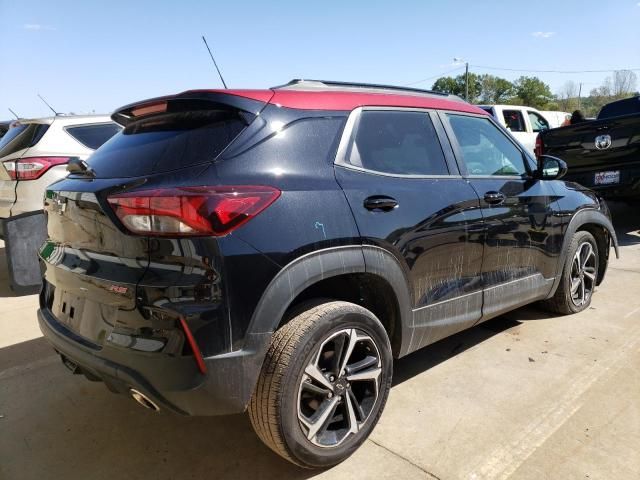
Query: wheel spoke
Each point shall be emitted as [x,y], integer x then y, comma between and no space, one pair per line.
[582,292]
[370,374]
[590,272]
[321,417]
[353,339]
[575,284]
[353,421]
[367,362]
[357,406]
[311,387]
[339,353]
[315,373]
[587,256]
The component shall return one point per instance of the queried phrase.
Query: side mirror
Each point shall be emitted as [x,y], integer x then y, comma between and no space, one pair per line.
[551,168]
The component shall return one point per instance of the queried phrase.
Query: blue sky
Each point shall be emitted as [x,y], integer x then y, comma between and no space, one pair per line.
[85,56]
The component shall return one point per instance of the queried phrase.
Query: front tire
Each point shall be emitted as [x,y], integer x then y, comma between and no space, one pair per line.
[579,276]
[323,384]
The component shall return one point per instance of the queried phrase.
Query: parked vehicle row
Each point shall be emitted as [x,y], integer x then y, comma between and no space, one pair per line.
[603,154]
[524,123]
[275,250]
[33,154]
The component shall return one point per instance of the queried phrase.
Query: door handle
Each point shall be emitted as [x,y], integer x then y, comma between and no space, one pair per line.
[494,198]
[380,202]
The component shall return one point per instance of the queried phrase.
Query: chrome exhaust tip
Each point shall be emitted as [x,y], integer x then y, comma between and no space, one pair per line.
[143,400]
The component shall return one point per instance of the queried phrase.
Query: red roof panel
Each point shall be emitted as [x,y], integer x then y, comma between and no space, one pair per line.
[336,100]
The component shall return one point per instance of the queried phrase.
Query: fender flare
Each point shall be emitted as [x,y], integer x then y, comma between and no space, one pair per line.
[309,269]
[583,217]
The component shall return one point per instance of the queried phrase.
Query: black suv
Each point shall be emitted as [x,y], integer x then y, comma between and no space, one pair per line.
[274,250]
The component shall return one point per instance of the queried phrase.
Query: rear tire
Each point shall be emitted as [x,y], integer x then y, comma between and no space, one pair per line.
[323,384]
[579,276]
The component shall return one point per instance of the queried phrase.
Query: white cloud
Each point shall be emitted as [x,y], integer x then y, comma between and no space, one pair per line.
[37,26]
[543,34]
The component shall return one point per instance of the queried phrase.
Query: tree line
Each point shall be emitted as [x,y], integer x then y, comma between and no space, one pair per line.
[533,92]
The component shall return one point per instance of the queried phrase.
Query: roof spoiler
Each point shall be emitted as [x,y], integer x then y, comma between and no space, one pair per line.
[153,106]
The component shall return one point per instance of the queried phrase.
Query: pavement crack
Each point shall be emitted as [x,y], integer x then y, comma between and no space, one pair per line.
[628,270]
[426,472]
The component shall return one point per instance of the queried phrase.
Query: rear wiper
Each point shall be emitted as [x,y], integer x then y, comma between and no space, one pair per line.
[80,167]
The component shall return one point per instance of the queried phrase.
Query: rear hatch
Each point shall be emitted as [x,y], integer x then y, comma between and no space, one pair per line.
[96,256]
[13,145]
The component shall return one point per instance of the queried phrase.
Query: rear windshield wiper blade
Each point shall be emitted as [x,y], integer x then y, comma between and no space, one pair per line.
[80,167]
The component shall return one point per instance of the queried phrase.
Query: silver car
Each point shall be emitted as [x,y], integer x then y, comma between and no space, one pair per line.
[33,154]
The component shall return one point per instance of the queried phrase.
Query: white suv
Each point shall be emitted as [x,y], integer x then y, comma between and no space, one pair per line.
[34,154]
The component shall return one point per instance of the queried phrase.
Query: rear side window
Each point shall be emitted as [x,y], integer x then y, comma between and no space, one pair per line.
[93,136]
[621,107]
[166,142]
[401,143]
[538,123]
[514,121]
[21,136]
[485,149]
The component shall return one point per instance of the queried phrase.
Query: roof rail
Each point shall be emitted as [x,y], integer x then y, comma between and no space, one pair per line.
[303,84]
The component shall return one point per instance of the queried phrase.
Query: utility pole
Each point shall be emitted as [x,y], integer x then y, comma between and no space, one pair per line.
[580,96]
[466,81]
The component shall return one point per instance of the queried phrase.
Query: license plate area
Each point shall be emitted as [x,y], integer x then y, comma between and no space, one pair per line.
[607,178]
[84,317]
[68,309]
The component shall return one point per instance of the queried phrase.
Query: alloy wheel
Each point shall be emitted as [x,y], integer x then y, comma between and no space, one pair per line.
[339,387]
[583,274]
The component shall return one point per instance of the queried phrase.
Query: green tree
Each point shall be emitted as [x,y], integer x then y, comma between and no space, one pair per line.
[533,92]
[456,86]
[495,90]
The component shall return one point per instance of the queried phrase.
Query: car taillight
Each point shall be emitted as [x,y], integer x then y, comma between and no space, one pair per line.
[539,148]
[191,211]
[32,167]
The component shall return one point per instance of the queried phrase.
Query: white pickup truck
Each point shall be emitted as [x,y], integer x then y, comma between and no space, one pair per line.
[524,123]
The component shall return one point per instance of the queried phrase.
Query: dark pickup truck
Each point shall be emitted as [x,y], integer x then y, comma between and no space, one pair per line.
[602,154]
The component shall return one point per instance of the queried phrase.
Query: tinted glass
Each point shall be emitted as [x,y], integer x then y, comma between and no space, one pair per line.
[21,136]
[538,123]
[167,142]
[93,136]
[402,143]
[621,107]
[485,149]
[514,121]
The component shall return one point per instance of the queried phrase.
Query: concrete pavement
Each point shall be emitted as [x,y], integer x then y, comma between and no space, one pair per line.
[525,396]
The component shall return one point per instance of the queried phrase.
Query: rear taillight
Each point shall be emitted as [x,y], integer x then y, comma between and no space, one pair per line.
[539,148]
[32,167]
[191,211]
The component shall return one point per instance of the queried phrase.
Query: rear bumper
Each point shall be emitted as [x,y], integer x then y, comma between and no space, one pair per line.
[173,383]
[628,186]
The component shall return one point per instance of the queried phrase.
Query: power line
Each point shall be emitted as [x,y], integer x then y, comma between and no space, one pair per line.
[435,76]
[553,71]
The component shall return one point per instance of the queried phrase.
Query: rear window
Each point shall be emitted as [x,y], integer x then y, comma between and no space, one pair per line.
[621,107]
[21,136]
[168,141]
[93,136]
